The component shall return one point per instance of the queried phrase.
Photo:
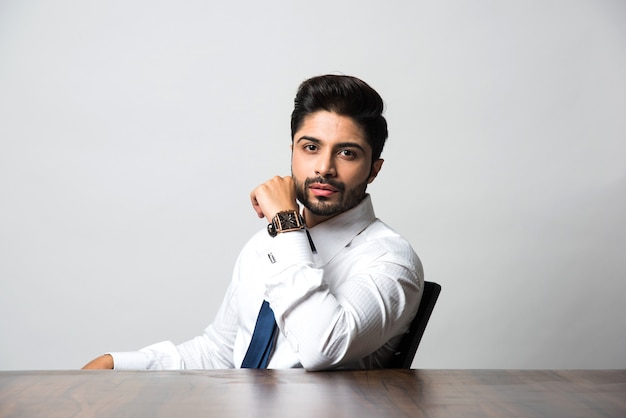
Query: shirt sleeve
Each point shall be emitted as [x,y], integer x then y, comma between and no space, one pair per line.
[331,326]
[213,349]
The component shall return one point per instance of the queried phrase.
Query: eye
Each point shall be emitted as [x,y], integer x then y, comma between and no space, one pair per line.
[348,154]
[310,147]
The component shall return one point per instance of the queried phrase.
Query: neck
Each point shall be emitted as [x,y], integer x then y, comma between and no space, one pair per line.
[311,219]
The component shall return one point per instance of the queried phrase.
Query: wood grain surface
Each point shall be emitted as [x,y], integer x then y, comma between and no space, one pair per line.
[297,393]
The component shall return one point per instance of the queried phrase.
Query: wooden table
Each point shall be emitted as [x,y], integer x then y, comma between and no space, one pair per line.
[297,393]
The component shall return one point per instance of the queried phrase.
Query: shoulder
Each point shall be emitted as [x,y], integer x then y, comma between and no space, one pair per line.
[381,233]
[389,245]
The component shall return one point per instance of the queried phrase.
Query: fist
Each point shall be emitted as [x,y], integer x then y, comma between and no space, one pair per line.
[273,196]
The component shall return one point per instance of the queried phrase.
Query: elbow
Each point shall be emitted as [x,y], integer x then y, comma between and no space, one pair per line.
[320,363]
[330,353]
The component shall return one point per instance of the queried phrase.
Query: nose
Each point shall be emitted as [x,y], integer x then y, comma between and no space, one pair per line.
[325,165]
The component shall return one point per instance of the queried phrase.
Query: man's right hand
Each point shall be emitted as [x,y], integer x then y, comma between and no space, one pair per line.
[273,196]
[101,363]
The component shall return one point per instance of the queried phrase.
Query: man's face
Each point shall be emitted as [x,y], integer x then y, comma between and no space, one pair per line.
[331,164]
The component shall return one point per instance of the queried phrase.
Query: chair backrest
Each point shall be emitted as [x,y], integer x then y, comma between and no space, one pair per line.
[403,358]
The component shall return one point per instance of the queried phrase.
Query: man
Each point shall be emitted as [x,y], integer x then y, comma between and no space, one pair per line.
[343,287]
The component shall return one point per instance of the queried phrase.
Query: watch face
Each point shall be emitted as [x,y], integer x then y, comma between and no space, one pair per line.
[289,220]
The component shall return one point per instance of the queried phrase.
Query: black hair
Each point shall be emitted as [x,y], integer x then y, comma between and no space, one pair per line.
[346,96]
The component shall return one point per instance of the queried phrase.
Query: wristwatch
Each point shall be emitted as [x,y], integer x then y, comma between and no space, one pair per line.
[285,221]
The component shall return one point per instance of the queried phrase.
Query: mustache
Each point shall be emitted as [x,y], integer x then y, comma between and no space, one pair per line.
[322,180]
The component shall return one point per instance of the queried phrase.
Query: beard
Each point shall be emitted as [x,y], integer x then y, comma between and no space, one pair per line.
[322,205]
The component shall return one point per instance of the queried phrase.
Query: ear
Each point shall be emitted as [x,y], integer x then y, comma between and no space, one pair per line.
[376,166]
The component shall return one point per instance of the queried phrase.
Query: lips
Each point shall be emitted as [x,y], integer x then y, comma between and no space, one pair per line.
[324,190]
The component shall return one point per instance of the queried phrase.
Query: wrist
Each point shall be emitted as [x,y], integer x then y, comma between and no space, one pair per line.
[271,214]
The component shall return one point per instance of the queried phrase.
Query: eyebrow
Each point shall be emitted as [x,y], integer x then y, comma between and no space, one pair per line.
[339,145]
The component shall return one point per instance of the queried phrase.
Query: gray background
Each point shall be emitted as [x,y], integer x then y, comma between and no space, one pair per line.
[131,133]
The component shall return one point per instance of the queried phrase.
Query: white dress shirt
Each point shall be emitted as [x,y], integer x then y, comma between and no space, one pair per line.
[344,305]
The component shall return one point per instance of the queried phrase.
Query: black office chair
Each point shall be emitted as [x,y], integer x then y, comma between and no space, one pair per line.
[403,358]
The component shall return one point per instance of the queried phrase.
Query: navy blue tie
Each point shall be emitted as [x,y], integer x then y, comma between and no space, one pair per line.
[260,347]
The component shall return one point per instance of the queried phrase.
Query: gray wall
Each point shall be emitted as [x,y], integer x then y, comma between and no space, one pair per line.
[131,133]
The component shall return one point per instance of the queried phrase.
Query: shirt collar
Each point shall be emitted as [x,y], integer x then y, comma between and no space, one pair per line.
[335,233]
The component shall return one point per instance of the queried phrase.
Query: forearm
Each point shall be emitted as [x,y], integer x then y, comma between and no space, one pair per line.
[339,315]
[210,350]
[159,356]
[330,329]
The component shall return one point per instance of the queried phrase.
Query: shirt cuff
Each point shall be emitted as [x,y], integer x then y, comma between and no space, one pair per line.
[129,360]
[288,249]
